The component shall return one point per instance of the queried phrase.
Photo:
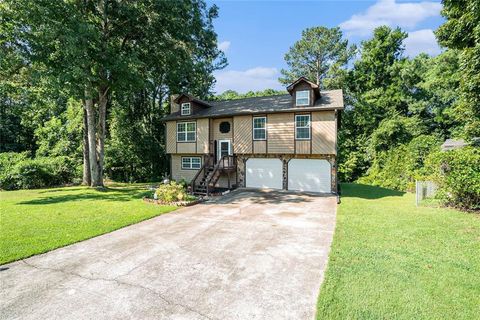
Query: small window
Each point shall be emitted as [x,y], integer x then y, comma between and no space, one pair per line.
[186,131]
[303,98]
[302,127]
[191,163]
[186,109]
[259,128]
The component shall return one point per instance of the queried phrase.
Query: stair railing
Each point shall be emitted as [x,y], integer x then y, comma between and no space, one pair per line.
[203,170]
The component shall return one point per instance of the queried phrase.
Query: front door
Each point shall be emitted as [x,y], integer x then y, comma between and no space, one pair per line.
[223,149]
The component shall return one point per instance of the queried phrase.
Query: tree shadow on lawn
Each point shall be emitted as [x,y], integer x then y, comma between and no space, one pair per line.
[364,191]
[108,194]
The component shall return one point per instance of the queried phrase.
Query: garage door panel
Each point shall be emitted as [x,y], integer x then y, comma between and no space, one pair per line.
[264,173]
[312,175]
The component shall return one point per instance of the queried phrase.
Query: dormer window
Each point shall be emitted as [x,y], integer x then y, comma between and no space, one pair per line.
[186,109]
[302,98]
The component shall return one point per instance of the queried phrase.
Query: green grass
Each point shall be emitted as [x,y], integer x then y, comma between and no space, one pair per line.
[392,260]
[36,221]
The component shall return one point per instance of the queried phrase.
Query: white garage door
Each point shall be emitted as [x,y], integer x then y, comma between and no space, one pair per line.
[309,175]
[264,173]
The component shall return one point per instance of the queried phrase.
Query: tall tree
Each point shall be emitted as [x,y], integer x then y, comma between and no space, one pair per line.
[97,47]
[319,55]
[462,31]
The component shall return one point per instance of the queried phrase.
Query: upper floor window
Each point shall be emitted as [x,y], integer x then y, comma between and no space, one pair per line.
[302,127]
[259,128]
[186,109]
[302,98]
[186,131]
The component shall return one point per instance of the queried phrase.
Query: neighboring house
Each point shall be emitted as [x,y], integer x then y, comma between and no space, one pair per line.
[281,142]
[452,144]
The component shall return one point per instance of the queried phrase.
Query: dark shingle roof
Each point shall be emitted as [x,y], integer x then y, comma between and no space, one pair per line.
[329,100]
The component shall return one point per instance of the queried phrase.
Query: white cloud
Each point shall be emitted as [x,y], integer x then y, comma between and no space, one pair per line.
[421,41]
[388,12]
[224,46]
[255,79]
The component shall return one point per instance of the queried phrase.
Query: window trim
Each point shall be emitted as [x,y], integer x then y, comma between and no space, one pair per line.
[309,126]
[264,129]
[308,98]
[191,163]
[185,104]
[186,131]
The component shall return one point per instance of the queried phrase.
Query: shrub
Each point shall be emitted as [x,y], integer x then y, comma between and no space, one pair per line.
[458,174]
[18,171]
[398,167]
[171,192]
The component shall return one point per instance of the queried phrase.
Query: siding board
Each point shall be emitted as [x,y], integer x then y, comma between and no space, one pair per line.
[242,137]
[171,140]
[281,133]
[323,131]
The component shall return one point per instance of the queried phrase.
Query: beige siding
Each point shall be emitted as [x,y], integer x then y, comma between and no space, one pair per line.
[281,133]
[171,141]
[323,131]
[223,180]
[259,146]
[216,134]
[186,147]
[242,136]
[202,135]
[178,173]
[302,147]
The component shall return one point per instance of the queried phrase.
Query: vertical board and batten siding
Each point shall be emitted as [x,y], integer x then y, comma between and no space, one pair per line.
[215,130]
[171,141]
[260,146]
[302,146]
[242,135]
[280,133]
[323,132]
[178,173]
[202,135]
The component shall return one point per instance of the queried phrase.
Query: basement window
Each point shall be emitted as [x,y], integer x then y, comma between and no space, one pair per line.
[191,163]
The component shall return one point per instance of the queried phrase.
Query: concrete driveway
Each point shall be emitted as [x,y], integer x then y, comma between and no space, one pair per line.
[249,255]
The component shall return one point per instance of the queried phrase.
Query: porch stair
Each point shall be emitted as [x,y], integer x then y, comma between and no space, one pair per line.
[207,177]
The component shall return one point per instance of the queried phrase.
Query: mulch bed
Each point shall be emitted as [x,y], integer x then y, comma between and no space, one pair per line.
[175,203]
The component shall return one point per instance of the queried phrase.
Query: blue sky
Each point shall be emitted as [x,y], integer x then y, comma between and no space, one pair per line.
[255,35]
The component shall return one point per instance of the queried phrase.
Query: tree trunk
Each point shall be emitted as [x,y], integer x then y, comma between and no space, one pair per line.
[87,178]
[102,113]
[95,179]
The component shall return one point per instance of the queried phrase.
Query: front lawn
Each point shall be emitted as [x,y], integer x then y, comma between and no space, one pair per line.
[36,221]
[392,260]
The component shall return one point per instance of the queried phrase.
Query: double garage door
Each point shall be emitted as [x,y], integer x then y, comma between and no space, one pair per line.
[312,175]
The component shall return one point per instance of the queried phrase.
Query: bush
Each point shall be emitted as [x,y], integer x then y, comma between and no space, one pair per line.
[398,167]
[171,192]
[457,173]
[18,171]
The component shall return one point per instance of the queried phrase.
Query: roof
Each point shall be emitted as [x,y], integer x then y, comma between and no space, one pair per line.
[451,144]
[302,79]
[329,100]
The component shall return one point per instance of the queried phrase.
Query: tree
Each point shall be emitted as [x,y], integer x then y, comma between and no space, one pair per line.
[320,55]
[95,48]
[461,31]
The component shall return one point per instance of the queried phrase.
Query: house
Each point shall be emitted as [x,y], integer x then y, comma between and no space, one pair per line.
[282,142]
[452,144]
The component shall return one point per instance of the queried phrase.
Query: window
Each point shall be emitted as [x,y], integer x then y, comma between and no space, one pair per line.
[303,98]
[259,128]
[302,127]
[191,163]
[186,131]
[185,109]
